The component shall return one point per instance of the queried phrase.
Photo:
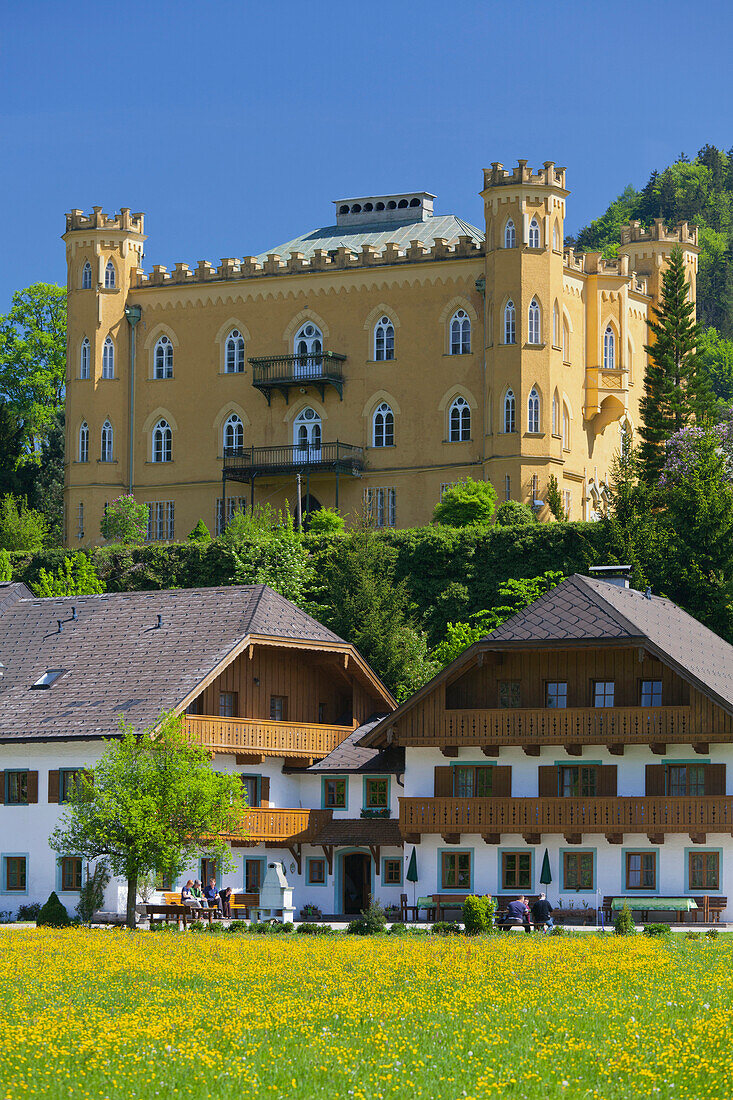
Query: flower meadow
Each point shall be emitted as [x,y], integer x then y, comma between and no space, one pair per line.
[112,1014]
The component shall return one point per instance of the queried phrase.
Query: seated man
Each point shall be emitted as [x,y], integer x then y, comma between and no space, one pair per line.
[211,895]
[542,913]
[517,912]
[225,900]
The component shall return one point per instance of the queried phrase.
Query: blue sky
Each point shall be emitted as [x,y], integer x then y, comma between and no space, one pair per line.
[234,125]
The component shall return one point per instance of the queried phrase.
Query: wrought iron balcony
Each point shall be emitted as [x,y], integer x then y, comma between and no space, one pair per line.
[247,463]
[282,372]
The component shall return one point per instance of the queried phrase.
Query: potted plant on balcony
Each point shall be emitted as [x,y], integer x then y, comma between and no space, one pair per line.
[310,913]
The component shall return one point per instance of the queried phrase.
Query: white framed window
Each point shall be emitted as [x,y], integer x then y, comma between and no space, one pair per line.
[381,506]
[108,359]
[163,358]
[565,427]
[161,520]
[555,326]
[510,235]
[460,333]
[567,502]
[80,521]
[630,362]
[383,426]
[107,442]
[308,346]
[84,442]
[307,433]
[162,442]
[507,487]
[534,234]
[234,504]
[110,276]
[565,342]
[85,358]
[533,412]
[384,339]
[446,485]
[555,414]
[535,489]
[533,323]
[609,349]
[555,238]
[459,421]
[234,353]
[233,434]
[86,276]
[510,323]
[510,412]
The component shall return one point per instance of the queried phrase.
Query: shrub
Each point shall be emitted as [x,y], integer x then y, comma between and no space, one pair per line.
[711,933]
[200,533]
[446,928]
[398,930]
[197,926]
[465,504]
[558,930]
[91,895]
[6,567]
[478,915]
[624,923]
[76,576]
[53,914]
[237,926]
[554,500]
[657,930]
[216,926]
[29,912]
[21,528]
[326,521]
[371,922]
[314,929]
[6,917]
[125,521]
[514,513]
[692,935]
[285,928]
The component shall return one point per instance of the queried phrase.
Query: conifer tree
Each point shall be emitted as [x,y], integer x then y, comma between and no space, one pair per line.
[675,387]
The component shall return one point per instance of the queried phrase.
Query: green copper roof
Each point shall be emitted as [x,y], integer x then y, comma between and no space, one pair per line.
[447,226]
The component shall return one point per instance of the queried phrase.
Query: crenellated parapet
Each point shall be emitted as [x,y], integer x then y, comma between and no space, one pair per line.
[124,222]
[548,176]
[682,234]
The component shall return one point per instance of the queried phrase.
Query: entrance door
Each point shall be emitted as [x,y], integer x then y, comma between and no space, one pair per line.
[308,505]
[357,881]
[308,347]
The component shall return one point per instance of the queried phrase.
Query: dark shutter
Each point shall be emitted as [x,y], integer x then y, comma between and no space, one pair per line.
[549,782]
[444,782]
[655,774]
[53,786]
[265,790]
[32,787]
[3,788]
[501,782]
[606,782]
[715,779]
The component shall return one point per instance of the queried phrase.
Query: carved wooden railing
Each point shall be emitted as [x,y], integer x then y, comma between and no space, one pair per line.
[283,826]
[299,739]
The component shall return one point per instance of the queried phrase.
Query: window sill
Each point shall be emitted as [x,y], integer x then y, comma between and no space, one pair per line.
[109,289]
[557,347]
[535,251]
[556,435]
[377,362]
[454,354]
[168,378]
[87,378]
[232,373]
[566,363]
[149,462]
[453,442]
[534,347]
[80,462]
[385,447]
[107,461]
[534,435]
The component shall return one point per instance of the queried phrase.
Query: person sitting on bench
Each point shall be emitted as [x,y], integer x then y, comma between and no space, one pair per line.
[517,912]
[211,895]
[542,913]
[187,896]
[225,901]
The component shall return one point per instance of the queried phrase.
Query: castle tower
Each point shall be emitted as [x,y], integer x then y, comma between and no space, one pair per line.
[103,255]
[649,251]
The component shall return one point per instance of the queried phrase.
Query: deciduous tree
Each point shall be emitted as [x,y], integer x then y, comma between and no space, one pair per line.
[466,503]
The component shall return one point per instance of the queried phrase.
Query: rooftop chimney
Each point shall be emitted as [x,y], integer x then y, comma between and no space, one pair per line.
[619,575]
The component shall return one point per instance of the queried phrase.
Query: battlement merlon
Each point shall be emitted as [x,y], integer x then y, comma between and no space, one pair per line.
[682,234]
[124,222]
[549,176]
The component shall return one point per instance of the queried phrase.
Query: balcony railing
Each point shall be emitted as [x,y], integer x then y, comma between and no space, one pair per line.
[281,826]
[296,739]
[669,814]
[243,464]
[574,725]
[282,372]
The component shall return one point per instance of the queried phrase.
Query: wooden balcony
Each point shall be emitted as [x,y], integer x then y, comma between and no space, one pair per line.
[298,740]
[285,827]
[492,817]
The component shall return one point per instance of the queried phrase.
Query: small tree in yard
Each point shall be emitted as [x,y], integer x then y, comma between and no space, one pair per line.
[126,521]
[326,521]
[514,513]
[624,923]
[153,801]
[91,896]
[466,503]
[75,577]
[21,528]
[554,500]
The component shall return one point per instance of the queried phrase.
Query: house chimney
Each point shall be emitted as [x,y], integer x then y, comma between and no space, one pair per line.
[618,575]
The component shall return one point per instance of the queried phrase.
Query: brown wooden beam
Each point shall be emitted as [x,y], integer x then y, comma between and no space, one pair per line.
[703,747]
[328,853]
[659,748]
[490,750]
[297,761]
[412,838]
[449,750]
[616,750]
[451,838]
[698,838]
[247,758]
[531,750]
[296,851]
[574,750]
[532,838]
[655,838]
[374,849]
[573,838]
[615,838]
[491,838]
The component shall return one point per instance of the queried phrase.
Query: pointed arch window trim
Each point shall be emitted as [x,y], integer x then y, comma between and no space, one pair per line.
[459,421]
[534,327]
[383,426]
[163,358]
[86,276]
[609,348]
[108,358]
[533,412]
[510,412]
[460,333]
[83,447]
[307,433]
[233,434]
[110,276]
[510,323]
[162,442]
[107,441]
[234,353]
[510,234]
[85,358]
[383,339]
[534,234]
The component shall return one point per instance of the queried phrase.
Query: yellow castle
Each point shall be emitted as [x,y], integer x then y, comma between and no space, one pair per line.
[370,363]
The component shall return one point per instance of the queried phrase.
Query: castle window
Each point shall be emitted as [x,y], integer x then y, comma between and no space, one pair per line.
[84,442]
[235,352]
[534,234]
[161,520]
[609,349]
[555,414]
[565,342]
[86,276]
[460,421]
[384,339]
[507,487]
[162,442]
[107,442]
[510,413]
[233,434]
[381,507]
[510,235]
[510,323]
[308,346]
[307,434]
[533,412]
[555,326]
[383,430]
[164,358]
[460,333]
[108,359]
[533,336]
[84,358]
[110,278]
[555,238]
[565,427]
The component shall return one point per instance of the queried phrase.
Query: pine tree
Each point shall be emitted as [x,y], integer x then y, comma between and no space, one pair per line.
[675,388]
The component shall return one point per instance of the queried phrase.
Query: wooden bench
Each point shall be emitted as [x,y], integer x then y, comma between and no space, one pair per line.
[242,903]
[708,909]
[173,902]
[167,913]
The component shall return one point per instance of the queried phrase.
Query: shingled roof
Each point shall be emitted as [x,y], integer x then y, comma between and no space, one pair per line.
[354,758]
[358,831]
[116,658]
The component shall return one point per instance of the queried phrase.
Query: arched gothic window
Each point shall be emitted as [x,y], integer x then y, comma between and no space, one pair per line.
[533,330]
[555,326]
[630,362]
[384,339]
[534,234]
[233,434]
[383,427]
[555,414]
[308,346]
[107,446]
[510,412]
[510,235]
[609,349]
[234,352]
[565,342]
[162,442]
[307,433]
[86,276]
[110,277]
[84,358]
[510,323]
[108,359]
[565,427]
[460,333]
[84,442]
[460,421]
[555,238]
[164,358]
[533,412]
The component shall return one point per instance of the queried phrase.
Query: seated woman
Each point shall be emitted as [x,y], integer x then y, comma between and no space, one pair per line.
[187,895]
[197,892]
